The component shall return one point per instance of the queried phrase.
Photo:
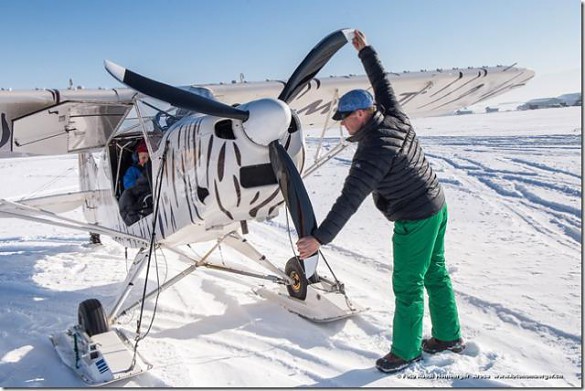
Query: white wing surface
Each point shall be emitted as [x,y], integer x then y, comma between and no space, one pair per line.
[64,121]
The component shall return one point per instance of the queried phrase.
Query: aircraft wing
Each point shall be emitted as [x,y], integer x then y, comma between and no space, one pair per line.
[67,127]
[421,94]
[63,121]
[51,122]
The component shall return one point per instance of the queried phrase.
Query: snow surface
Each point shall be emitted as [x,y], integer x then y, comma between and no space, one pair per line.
[513,185]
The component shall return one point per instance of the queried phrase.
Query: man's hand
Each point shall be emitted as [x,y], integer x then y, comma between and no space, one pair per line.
[359,40]
[307,246]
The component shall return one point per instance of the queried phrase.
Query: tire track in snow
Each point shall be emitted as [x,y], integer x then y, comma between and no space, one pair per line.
[257,339]
[561,216]
[544,167]
[519,142]
[562,188]
[566,217]
[513,317]
[526,328]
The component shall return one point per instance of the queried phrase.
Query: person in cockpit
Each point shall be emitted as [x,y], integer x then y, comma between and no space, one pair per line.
[136,170]
[136,200]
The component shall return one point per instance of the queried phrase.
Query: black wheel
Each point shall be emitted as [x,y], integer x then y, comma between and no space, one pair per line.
[91,317]
[94,238]
[295,271]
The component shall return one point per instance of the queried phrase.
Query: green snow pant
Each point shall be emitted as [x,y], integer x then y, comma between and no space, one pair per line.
[419,262]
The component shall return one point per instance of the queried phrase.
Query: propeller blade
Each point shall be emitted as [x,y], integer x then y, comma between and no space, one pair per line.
[174,95]
[296,198]
[313,62]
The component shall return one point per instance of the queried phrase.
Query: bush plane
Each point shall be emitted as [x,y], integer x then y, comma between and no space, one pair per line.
[221,155]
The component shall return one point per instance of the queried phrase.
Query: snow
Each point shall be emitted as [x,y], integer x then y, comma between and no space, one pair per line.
[513,186]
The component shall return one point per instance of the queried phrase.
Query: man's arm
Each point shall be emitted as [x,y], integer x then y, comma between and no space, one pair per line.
[383,91]
[368,168]
[358,184]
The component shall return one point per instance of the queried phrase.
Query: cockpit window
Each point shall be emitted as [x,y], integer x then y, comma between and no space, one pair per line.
[131,177]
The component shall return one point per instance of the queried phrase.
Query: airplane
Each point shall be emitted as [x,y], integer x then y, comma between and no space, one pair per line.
[221,155]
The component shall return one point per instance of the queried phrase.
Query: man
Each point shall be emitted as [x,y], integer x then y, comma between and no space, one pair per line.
[136,200]
[135,171]
[390,164]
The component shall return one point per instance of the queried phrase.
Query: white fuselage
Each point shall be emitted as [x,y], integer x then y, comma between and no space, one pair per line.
[211,180]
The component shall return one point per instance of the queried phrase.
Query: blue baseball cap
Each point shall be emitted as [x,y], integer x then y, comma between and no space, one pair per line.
[352,101]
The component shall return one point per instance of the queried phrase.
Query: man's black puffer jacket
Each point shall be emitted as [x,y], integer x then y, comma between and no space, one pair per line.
[388,162]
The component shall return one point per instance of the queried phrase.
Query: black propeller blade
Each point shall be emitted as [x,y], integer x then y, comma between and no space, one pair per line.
[174,95]
[308,68]
[292,188]
[313,62]
[290,181]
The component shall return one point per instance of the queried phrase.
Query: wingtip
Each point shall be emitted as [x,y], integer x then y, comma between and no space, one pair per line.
[115,70]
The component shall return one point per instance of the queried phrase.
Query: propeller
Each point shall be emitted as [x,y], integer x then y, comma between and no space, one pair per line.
[314,61]
[174,95]
[289,179]
[296,198]
[307,69]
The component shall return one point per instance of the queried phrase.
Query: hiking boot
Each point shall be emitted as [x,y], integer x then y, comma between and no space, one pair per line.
[391,363]
[433,345]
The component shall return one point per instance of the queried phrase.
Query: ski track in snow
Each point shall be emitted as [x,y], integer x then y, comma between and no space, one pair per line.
[513,250]
[523,184]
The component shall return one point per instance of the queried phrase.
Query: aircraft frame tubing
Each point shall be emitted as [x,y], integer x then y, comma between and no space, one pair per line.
[141,260]
[326,124]
[325,158]
[274,279]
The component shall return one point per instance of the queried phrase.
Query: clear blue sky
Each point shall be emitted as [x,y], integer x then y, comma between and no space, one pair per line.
[46,42]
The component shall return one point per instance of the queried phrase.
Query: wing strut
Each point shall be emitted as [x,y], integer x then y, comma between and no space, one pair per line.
[26,212]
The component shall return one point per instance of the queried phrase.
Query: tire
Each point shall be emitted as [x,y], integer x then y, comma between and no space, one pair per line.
[94,238]
[91,317]
[294,270]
